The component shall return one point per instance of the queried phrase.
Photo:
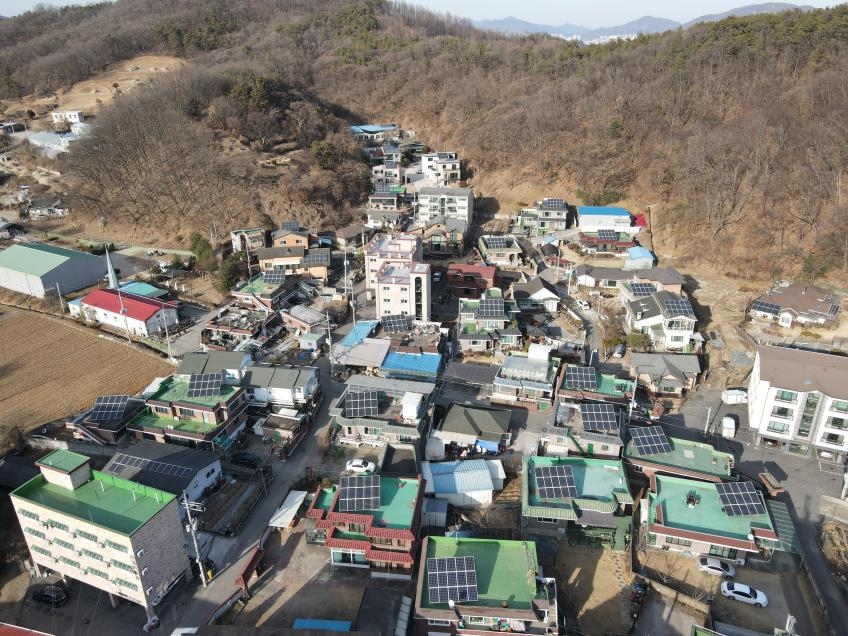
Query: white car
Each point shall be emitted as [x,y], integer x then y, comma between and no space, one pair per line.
[744,593]
[583,305]
[716,567]
[360,466]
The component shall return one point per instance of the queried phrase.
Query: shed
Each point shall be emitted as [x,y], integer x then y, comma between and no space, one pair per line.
[462,483]
[434,512]
[36,269]
[639,258]
[285,514]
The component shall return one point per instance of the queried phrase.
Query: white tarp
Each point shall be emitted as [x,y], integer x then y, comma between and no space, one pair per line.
[283,515]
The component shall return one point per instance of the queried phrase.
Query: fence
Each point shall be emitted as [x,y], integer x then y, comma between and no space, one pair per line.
[71,445]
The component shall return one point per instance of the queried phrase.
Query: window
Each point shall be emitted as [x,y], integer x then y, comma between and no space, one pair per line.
[124,566]
[721,551]
[786,396]
[187,412]
[64,544]
[28,514]
[161,409]
[86,535]
[476,620]
[35,533]
[40,550]
[58,525]
[840,405]
[437,621]
[71,562]
[832,438]
[835,422]
[116,546]
[95,572]
[91,555]
[681,542]
[127,584]
[546,520]
[677,338]
[782,411]
[777,427]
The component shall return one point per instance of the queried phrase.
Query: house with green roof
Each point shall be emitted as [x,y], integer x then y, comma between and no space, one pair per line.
[684,515]
[38,269]
[481,585]
[578,385]
[583,499]
[486,323]
[694,460]
[174,416]
[369,522]
[119,536]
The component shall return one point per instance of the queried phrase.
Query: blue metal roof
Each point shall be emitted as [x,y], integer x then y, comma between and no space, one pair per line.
[459,476]
[319,623]
[143,289]
[639,252]
[421,364]
[599,210]
[361,330]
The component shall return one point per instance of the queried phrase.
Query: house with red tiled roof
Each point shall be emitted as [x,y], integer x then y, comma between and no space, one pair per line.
[470,281]
[138,315]
[369,522]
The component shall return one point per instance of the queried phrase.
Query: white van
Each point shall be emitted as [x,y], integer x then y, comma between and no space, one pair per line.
[728,426]
[734,396]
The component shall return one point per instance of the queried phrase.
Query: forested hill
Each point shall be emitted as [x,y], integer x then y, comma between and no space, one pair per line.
[737,129]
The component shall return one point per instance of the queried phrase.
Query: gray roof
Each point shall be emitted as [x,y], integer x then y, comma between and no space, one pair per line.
[155,475]
[658,365]
[384,214]
[470,373]
[280,252]
[450,192]
[654,305]
[211,362]
[459,476]
[307,315]
[390,386]
[664,275]
[277,377]
[804,371]
[352,231]
[487,424]
[531,287]
[603,273]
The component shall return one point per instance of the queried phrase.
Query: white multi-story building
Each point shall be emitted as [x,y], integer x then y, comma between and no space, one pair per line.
[116,535]
[666,317]
[69,116]
[442,169]
[798,401]
[546,216]
[404,289]
[390,248]
[447,203]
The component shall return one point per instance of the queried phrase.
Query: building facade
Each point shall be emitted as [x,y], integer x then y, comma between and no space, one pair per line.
[401,249]
[138,315]
[404,290]
[447,203]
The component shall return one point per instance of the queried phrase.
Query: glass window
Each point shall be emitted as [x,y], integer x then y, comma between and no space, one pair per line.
[721,551]
[835,422]
[675,541]
[92,555]
[122,565]
[782,411]
[777,427]
[126,584]
[786,396]
[35,533]
[58,525]
[40,550]
[840,405]
[28,514]
[64,544]
[86,535]
[117,546]
[71,562]
[95,572]
[832,438]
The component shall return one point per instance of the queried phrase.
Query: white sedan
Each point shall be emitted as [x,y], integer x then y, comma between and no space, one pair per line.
[744,593]
[716,567]
[360,466]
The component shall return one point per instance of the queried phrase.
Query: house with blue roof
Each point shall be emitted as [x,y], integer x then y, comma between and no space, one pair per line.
[463,483]
[367,133]
[404,365]
[591,218]
[639,257]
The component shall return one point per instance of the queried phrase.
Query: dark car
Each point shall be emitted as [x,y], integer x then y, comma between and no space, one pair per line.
[55,595]
[247,460]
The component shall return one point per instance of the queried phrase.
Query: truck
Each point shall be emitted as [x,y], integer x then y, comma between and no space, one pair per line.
[734,396]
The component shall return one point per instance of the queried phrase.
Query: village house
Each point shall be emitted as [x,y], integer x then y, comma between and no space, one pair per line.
[469,483]
[663,374]
[237,327]
[370,133]
[550,215]
[279,386]
[667,318]
[586,500]
[248,240]
[369,522]
[401,249]
[442,238]
[527,378]
[484,323]
[380,219]
[470,280]
[138,315]
[535,294]
[282,261]
[445,203]
[605,242]
[301,319]
[503,251]
[261,294]
[470,429]
[120,537]
[650,451]
[591,218]
[798,402]
[441,169]
[797,303]
[353,235]
[639,257]
[590,429]
[581,383]
[388,173]
[501,588]
[67,116]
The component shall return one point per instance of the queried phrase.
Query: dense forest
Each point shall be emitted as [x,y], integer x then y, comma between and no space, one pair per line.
[737,129]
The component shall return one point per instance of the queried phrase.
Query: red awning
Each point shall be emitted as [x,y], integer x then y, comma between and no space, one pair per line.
[249,568]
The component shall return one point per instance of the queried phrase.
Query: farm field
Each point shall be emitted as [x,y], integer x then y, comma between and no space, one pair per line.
[50,368]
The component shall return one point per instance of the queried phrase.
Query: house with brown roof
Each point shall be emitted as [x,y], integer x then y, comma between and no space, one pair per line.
[797,302]
[468,280]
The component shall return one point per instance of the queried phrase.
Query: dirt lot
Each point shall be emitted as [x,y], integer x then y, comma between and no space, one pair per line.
[84,95]
[595,584]
[833,538]
[52,368]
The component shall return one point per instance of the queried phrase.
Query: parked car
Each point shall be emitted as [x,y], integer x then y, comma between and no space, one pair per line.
[744,593]
[618,352]
[360,466]
[247,460]
[437,277]
[55,595]
[584,305]
[716,567]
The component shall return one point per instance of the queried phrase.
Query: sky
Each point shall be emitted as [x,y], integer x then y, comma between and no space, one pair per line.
[594,14]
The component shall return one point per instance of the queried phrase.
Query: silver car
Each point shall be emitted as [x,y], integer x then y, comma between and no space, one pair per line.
[744,593]
[716,567]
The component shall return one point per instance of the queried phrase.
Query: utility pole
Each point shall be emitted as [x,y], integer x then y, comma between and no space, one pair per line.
[61,302]
[707,425]
[192,529]
[164,318]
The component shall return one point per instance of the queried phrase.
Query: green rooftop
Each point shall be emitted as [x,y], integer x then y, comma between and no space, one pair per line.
[37,259]
[688,455]
[606,384]
[148,419]
[601,480]
[256,286]
[707,516]
[397,503]
[62,460]
[506,570]
[105,500]
[174,389]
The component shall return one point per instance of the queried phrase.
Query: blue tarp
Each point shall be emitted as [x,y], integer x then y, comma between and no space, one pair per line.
[489,447]
[324,624]
[361,330]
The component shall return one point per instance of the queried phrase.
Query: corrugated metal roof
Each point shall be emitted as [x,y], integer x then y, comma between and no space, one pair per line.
[323,624]
[419,363]
[37,259]
[457,476]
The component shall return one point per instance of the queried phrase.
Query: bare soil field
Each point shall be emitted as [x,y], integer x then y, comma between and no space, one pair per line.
[833,538]
[51,368]
[84,95]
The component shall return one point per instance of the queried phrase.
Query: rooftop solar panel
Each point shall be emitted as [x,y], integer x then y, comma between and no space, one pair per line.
[361,404]
[491,308]
[766,308]
[290,226]
[109,407]
[581,378]
[120,460]
[498,242]
[452,579]
[608,235]
[599,417]
[641,290]
[650,440]
[395,323]
[315,258]
[359,493]
[740,499]
[679,307]
[553,204]
[555,482]
[204,384]
[274,277]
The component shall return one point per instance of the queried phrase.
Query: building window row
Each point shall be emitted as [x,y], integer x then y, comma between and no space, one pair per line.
[85,535]
[65,544]
[28,514]
[58,525]
[91,555]
[95,572]
[126,584]
[40,550]
[71,562]
[35,533]
[686,543]
[778,427]
[786,396]
[116,546]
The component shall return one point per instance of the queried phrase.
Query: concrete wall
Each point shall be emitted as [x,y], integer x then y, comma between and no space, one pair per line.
[21,283]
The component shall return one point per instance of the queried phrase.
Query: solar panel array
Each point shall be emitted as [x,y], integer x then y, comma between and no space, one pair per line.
[766,308]
[109,407]
[204,384]
[583,378]
[359,493]
[641,290]
[608,235]
[361,403]
[122,460]
[740,499]
[274,277]
[290,226]
[553,204]
[650,440]
[490,308]
[679,307]
[599,417]
[498,242]
[315,258]
[382,189]
[555,482]
[452,579]
[395,323]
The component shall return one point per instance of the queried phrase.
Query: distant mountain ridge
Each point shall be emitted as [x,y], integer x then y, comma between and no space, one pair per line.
[645,24]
